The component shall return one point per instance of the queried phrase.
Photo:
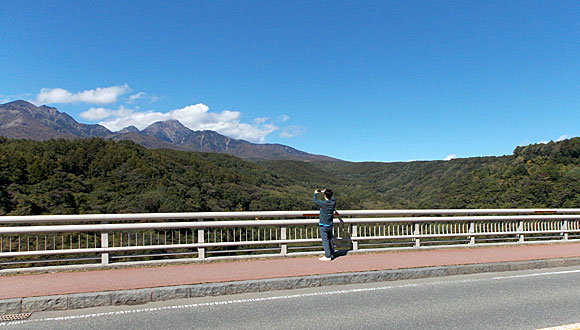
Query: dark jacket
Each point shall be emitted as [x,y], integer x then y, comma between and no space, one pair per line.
[326,210]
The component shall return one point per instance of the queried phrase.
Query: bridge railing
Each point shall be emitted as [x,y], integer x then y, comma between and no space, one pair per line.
[33,241]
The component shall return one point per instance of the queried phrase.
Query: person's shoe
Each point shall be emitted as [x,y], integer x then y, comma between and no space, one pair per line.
[324,259]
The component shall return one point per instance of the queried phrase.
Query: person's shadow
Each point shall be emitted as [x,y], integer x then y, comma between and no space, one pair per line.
[342,243]
[342,246]
[340,253]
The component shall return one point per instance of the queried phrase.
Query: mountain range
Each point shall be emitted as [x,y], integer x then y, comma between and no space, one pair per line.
[24,120]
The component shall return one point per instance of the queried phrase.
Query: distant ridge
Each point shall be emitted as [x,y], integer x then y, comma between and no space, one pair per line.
[24,120]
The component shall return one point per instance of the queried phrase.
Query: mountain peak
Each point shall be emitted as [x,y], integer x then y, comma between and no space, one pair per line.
[129,129]
[21,119]
[24,120]
[19,104]
[172,123]
[27,107]
[170,130]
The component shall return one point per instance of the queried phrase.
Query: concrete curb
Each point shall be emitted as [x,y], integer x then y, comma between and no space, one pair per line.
[142,296]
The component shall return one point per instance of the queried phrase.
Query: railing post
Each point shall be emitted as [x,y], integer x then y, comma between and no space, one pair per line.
[521,229]
[104,244]
[417,232]
[283,246]
[565,227]
[471,231]
[354,235]
[200,239]
[283,236]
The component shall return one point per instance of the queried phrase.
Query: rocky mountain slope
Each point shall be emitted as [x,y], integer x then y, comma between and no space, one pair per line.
[23,120]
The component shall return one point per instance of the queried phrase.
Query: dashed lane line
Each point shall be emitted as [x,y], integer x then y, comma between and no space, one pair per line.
[575,326]
[295,296]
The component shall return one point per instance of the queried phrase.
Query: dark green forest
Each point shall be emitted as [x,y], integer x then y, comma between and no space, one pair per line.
[103,176]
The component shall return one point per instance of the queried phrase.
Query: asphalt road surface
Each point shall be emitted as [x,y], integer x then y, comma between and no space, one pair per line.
[513,300]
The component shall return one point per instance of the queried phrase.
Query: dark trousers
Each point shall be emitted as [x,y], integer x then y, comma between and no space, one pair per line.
[326,235]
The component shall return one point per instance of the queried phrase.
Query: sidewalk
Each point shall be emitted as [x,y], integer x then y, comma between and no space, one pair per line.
[267,274]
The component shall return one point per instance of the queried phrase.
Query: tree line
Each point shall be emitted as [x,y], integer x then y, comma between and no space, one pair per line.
[103,176]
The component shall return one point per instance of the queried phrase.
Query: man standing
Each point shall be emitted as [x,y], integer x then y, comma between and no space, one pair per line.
[326,221]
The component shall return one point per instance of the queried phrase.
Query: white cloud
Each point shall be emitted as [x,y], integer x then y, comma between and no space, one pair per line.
[94,114]
[261,120]
[543,141]
[195,117]
[450,157]
[11,98]
[283,118]
[136,97]
[99,95]
[142,97]
[292,131]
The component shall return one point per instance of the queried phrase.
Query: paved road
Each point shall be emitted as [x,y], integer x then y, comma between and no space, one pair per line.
[22,285]
[514,300]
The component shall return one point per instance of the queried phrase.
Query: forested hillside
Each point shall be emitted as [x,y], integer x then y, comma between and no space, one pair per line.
[98,176]
[541,175]
[103,176]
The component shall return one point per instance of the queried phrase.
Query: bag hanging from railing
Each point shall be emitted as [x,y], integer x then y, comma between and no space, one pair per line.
[342,240]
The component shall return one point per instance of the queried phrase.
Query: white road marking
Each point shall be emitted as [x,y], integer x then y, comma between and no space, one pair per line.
[303,295]
[574,326]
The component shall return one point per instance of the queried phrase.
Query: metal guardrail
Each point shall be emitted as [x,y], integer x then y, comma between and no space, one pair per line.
[29,241]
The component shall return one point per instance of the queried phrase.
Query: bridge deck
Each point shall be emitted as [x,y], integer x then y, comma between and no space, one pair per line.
[22,286]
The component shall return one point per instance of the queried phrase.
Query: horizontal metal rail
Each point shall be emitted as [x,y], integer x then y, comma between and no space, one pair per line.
[262,214]
[229,224]
[151,247]
[207,234]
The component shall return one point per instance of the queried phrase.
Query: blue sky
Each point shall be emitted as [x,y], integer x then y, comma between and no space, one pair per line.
[357,80]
